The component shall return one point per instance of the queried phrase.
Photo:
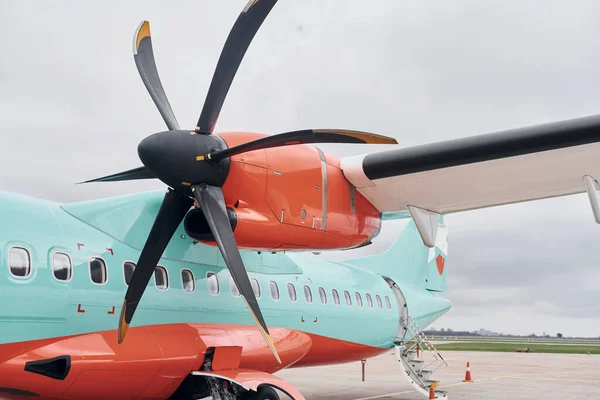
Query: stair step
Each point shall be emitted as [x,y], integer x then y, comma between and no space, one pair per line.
[414,365]
[424,374]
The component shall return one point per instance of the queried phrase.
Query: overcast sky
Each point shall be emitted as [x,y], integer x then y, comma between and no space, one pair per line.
[73,108]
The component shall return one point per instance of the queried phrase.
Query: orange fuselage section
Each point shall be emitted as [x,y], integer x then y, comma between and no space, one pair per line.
[295,197]
[155,359]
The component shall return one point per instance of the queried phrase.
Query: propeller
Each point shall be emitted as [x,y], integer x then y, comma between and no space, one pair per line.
[143,55]
[238,41]
[172,211]
[195,164]
[212,204]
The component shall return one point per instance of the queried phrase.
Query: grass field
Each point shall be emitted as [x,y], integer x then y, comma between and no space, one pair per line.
[512,346]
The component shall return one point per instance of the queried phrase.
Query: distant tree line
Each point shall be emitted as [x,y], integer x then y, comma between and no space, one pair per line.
[450,332]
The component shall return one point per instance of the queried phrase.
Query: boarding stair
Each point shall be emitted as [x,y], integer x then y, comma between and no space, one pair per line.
[419,358]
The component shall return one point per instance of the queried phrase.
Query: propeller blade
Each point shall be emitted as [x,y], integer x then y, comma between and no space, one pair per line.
[144,60]
[131,175]
[303,137]
[238,41]
[171,213]
[212,204]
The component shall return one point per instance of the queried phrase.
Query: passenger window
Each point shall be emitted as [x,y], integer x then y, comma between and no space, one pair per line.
[98,273]
[388,303]
[307,294]
[187,280]
[323,295]
[19,261]
[213,283]
[62,266]
[336,297]
[359,299]
[348,298]
[255,287]
[128,269]
[235,292]
[292,292]
[378,301]
[369,300]
[161,279]
[274,289]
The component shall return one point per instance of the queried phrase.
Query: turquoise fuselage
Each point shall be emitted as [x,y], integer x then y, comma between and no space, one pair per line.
[41,306]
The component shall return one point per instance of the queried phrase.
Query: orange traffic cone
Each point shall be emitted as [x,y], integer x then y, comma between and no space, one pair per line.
[431,394]
[432,390]
[468,373]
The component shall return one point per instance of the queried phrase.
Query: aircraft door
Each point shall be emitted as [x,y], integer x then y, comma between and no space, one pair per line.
[402,309]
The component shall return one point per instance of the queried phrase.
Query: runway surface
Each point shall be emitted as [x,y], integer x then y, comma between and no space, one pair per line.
[495,375]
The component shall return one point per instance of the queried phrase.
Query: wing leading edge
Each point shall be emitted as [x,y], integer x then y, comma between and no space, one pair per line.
[482,171]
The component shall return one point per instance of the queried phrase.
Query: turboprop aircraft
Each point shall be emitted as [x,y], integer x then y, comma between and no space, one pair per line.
[218,270]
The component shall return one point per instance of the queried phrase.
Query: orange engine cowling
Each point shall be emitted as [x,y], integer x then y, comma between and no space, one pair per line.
[286,198]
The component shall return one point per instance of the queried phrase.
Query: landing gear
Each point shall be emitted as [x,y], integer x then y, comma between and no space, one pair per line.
[197,387]
[191,388]
[263,393]
[204,384]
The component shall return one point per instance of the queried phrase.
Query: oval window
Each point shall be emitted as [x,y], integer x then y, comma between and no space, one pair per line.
[323,295]
[161,279]
[19,261]
[187,281]
[235,292]
[212,282]
[348,298]
[292,292]
[98,271]
[388,303]
[255,287]
[369,300]
[61,266]
[378,301]
[128,270]
[307,294]
[336,297]
[274,289]
[359,299]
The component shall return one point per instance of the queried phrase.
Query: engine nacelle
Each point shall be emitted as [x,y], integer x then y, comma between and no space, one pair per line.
[290,198]
[197,228]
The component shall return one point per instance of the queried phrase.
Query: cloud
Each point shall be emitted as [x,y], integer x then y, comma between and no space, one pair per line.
[74,108]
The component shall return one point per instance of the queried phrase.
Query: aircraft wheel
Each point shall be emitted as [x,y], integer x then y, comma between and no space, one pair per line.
[263,393]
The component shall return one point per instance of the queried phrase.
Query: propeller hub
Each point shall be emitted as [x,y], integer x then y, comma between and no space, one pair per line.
[172,156]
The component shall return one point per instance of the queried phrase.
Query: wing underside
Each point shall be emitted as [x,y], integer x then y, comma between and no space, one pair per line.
[500,168]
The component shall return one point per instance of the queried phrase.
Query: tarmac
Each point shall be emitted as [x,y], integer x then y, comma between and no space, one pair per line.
[495,376]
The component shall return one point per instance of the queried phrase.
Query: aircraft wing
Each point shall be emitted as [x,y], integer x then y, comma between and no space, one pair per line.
[482,171]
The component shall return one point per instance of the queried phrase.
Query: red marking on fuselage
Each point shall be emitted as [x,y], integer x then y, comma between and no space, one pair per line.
[112,311]
[112,253]
[440,264]
[79,309]
[79,246]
